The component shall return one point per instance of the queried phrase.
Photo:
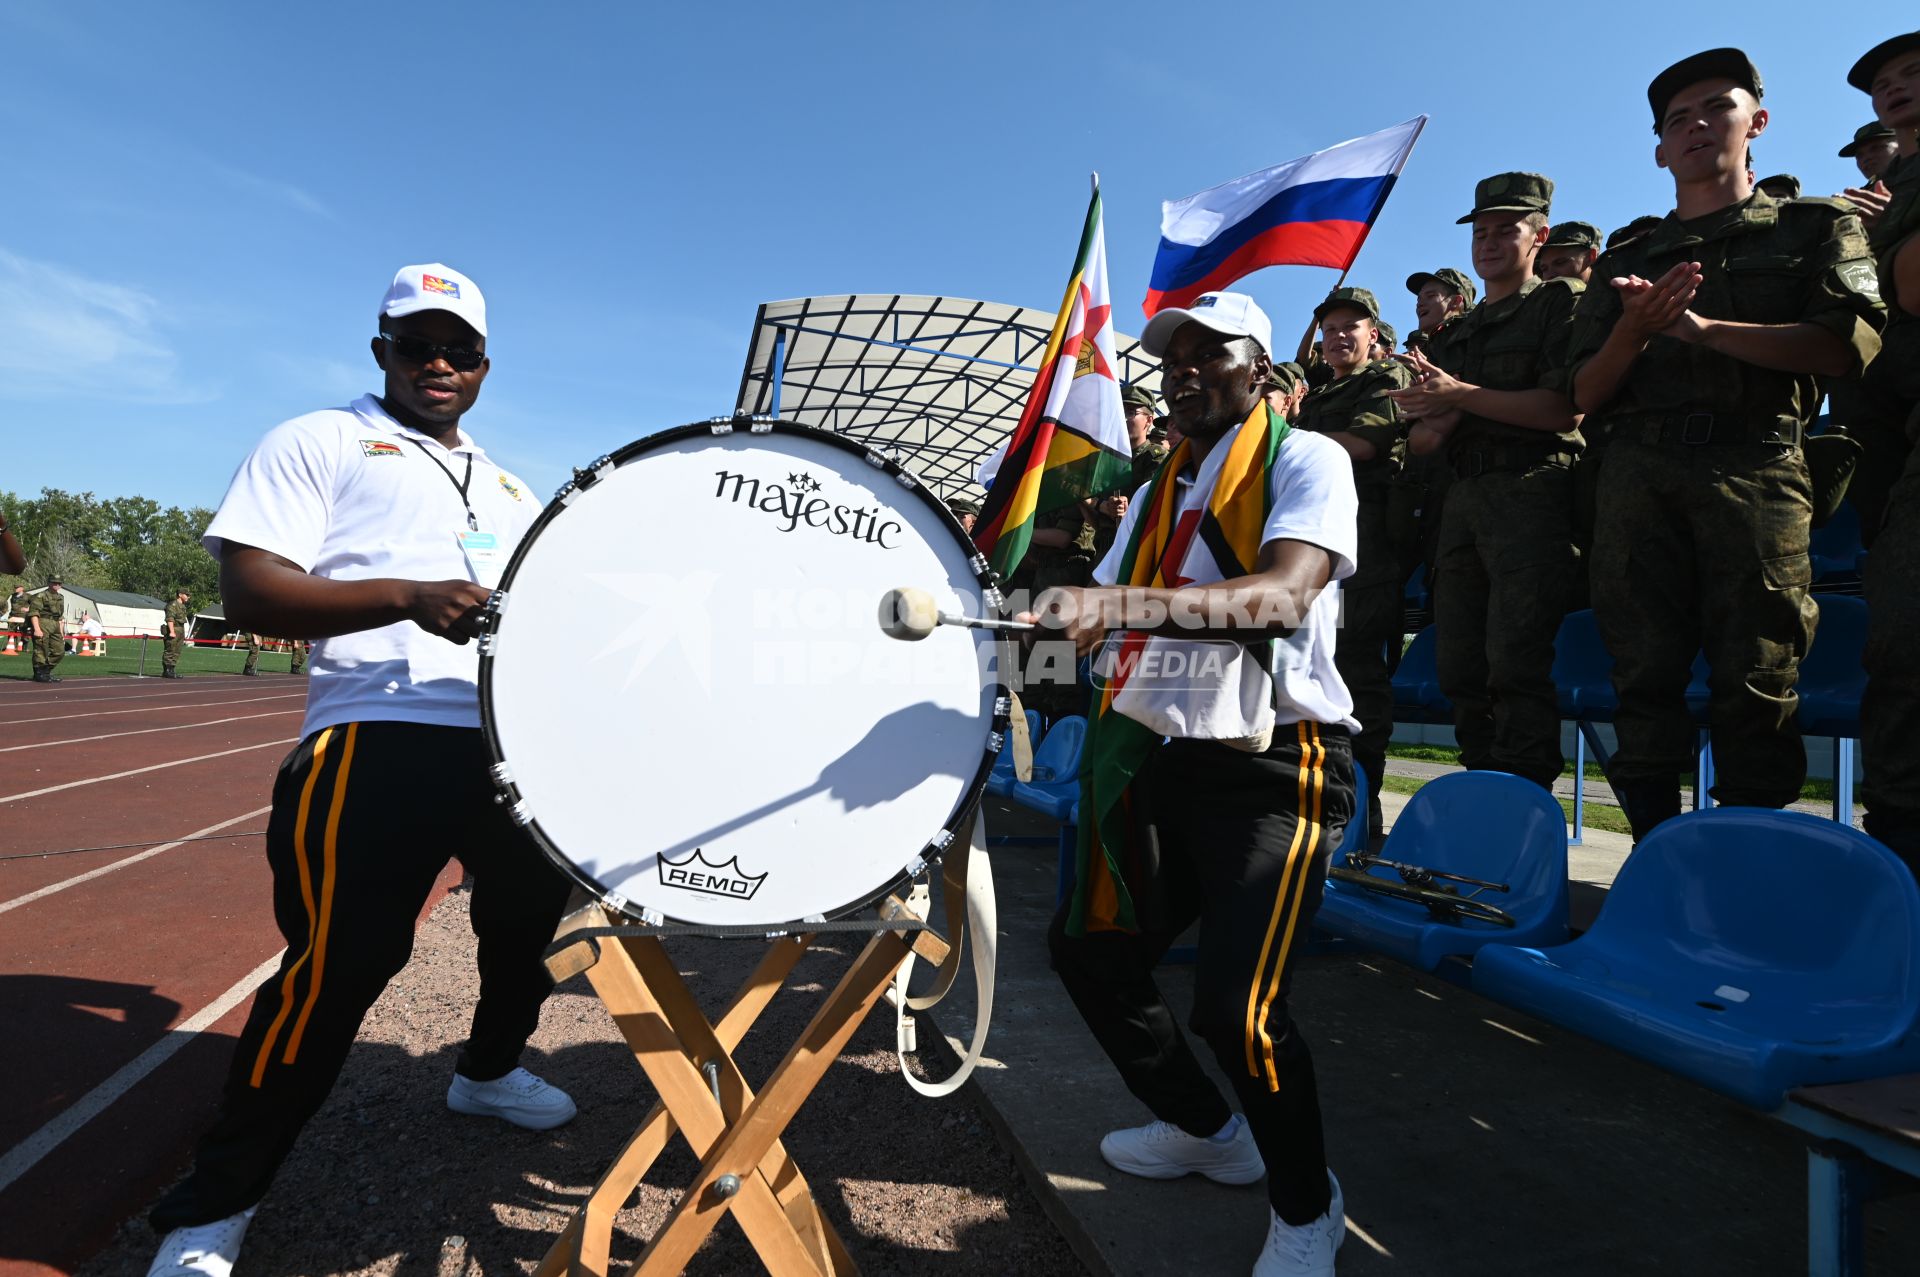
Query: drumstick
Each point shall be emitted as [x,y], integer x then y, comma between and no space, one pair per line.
[910,614]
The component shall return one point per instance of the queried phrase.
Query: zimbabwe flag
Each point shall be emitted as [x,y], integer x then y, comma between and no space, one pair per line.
[1071,442]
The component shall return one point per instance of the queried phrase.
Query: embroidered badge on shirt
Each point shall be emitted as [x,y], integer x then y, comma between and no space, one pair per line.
[380,448]
[512,489]
[434,284]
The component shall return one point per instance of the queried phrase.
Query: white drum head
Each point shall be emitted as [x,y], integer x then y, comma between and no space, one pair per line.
[688,695]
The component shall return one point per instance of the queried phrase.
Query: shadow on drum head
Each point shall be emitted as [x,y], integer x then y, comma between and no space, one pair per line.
[868,774]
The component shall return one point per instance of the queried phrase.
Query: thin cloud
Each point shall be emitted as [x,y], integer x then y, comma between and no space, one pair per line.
[267,188]
[66,335]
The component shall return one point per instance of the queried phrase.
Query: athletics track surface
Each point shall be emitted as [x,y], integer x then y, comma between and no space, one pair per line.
[126,973]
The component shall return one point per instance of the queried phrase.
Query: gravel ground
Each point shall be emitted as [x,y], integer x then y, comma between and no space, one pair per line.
[386,1180]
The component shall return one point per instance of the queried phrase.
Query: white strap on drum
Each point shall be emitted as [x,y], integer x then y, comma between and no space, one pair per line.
[967,874]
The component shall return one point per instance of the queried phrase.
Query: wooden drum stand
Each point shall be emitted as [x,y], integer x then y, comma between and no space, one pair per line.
[736,1133]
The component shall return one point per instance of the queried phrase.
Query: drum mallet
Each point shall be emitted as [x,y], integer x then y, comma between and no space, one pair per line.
[911,614]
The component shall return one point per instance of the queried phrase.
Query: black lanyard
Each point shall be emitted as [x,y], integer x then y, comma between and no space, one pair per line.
[459,485]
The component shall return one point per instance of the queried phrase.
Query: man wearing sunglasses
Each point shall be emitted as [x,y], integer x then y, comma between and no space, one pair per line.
[378,529]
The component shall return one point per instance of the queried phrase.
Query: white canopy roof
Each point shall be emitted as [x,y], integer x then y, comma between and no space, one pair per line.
[937,381]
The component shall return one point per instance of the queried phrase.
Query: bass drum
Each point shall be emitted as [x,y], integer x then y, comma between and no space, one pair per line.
[690,703]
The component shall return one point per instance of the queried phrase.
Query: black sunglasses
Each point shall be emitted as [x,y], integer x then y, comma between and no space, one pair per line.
[418,350]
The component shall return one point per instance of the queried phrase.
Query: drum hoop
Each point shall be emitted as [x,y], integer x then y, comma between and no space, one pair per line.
[500,770]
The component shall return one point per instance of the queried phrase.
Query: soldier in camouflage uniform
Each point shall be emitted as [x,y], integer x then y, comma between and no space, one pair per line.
[1420,494]
[252,666]
[47,618]
[1490,394]
[1356,412]
[173,633]
[1700,358]
[1570,252]
[1148,451]
[1890,707]
[1873,150]
[297,648]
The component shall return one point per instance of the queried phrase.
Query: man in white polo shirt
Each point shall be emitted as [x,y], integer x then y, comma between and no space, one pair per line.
[378,530]
[1219,775]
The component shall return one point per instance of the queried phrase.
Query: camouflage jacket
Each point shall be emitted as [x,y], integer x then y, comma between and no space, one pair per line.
[178,614]
[51,608]
[1146,459]
[1357,404]
[1900,223]
[1765,261]
[1516,343]
[19,607]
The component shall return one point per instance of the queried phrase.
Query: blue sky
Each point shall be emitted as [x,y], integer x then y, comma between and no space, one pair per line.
[202,203]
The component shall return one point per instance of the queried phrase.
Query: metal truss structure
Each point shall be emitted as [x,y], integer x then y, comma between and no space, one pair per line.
[937,382]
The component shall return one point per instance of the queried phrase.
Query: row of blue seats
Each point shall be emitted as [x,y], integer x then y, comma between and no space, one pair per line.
[1751,951]
[1831,678]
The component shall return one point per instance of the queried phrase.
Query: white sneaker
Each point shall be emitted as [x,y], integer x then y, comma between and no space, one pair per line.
[209,1249]
[1161,1150]
[1305,1250]
[519,1097]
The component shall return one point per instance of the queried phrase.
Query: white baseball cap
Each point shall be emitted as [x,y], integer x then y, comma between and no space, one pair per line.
[1234,313]
[436,286]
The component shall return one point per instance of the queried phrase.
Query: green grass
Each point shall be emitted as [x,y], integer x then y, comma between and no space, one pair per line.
[1818,791]
[1599,815]
[123,658]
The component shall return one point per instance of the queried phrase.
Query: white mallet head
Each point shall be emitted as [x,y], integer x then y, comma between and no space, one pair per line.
[907,613]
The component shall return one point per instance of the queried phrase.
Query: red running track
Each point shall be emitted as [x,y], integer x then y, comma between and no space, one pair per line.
[126,972]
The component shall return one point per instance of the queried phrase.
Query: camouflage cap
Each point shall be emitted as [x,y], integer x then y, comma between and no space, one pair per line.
[1872,131]
[1573,235]
[1281,377]
[1714,64]
[1388,337]
[1635,229]
[1358,298]
[1861,77]
[1296,369]
[55,580]
[1446,275]
[1138,396]
[1782,186]
[1510,193]
[964,505]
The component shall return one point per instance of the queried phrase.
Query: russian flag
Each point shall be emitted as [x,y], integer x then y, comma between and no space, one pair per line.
[1313,211]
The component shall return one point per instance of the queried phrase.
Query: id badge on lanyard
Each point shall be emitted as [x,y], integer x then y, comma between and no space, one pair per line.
[486,557]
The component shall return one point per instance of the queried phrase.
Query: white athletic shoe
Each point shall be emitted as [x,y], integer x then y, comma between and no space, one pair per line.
[207,1249]
[1305,1250]
[519,1097]
[1161,1150]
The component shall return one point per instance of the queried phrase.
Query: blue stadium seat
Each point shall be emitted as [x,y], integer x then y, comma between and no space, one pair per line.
[1836,547]
[1583,670]
[1752,951]
[1482,824]
[1000,780]
[1416,684]
[1055,786]
[1832,677]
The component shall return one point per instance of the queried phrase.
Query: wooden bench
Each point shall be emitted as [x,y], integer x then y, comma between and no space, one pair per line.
[1867,1139]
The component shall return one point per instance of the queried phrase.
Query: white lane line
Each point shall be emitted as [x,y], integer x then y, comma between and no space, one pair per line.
[207,688]
[108,713]
[178,762]
[134,859]
[21,1157]
[148,731]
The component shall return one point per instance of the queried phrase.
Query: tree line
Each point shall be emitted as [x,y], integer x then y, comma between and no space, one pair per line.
[112,543]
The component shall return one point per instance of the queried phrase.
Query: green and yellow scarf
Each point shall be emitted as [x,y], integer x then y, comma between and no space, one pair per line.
[1114,848]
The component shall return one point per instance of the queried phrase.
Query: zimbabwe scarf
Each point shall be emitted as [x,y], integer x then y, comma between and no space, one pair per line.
[1114,846]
